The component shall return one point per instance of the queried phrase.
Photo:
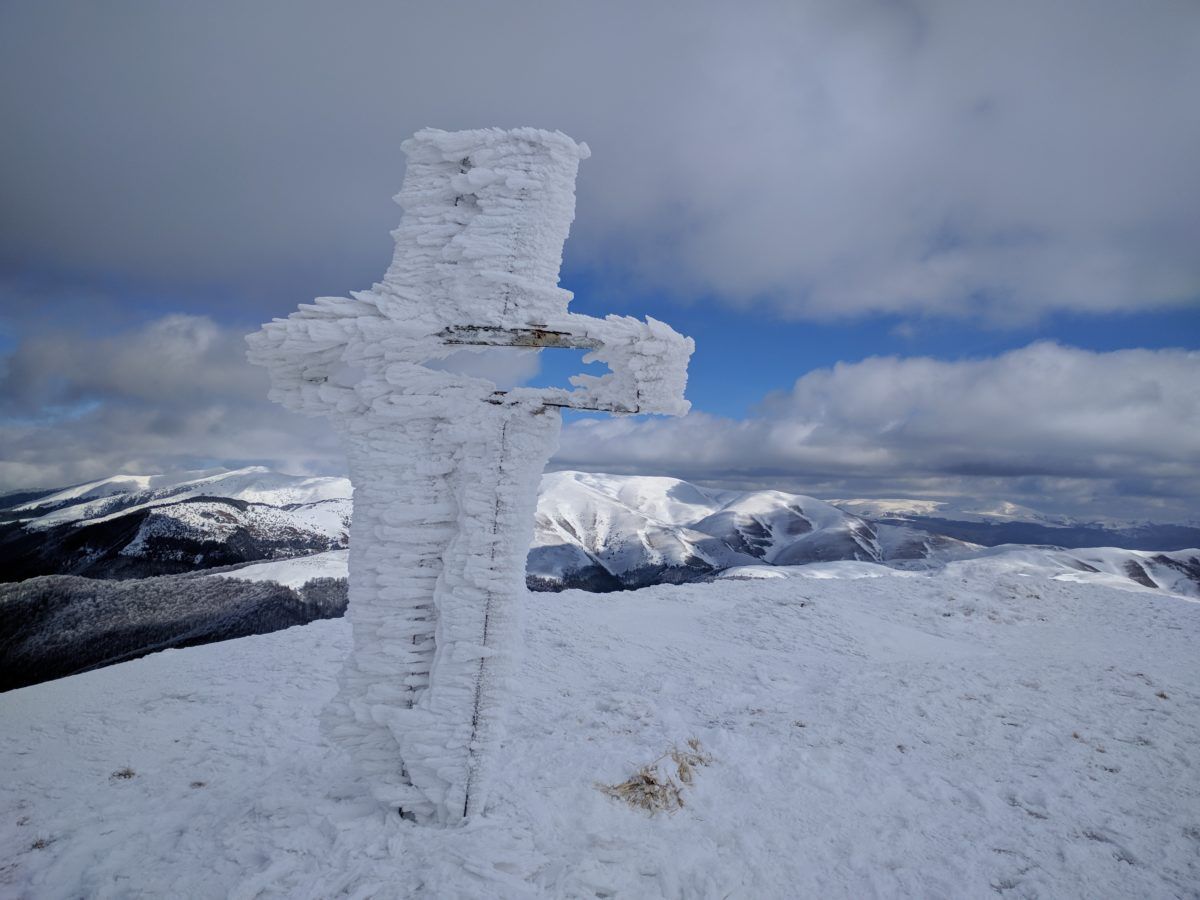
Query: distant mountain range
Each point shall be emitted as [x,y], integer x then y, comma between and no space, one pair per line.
[275,546]
[608,532]
[597,532]
[1009,523]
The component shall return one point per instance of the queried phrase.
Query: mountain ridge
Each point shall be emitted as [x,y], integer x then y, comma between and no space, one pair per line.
[593,531]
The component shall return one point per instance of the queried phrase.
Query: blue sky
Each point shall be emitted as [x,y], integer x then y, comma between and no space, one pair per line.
[997,202]
[742,355]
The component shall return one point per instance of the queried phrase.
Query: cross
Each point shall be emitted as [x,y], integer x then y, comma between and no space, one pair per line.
[445,467]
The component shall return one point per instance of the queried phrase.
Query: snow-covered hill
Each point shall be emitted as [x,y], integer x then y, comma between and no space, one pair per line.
[122,494]
[978,730]
[136,526]
[1176,572]
[603,531]
[598,532]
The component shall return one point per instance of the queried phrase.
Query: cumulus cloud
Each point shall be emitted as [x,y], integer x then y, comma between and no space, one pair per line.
[1110,433]
[1055,427]
[174,393]
[826,157]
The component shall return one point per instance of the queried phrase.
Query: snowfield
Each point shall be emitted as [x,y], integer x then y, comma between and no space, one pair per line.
[983,729]
[296,571]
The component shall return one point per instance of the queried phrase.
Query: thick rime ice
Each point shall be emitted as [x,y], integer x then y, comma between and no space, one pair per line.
[445,467]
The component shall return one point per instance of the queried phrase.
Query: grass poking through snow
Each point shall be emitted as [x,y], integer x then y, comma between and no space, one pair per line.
[658,786]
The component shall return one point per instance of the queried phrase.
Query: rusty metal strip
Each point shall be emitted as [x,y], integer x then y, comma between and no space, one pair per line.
[496,336]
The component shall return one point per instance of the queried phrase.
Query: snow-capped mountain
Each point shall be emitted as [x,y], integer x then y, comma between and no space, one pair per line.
[602,532]
[139,525]
[597,532]
[593,531]
[100,500]
[1173,571]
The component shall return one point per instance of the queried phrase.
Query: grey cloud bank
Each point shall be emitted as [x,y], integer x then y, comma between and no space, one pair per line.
[830,159]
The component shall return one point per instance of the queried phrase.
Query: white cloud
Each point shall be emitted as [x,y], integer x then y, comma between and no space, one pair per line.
[1055,427]
[1081,431]
[174,393]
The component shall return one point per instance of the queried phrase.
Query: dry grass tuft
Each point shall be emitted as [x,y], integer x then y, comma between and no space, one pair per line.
[657,787]
[647,789]
[687,760]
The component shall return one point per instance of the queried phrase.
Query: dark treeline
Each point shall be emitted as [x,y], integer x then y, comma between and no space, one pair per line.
[60,625]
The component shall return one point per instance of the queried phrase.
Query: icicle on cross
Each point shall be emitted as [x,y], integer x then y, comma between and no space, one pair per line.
[446,467]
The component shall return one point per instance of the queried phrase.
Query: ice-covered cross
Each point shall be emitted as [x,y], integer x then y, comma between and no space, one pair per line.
[446,467]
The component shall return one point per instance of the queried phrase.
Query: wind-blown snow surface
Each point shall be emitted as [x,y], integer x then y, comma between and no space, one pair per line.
[956,734]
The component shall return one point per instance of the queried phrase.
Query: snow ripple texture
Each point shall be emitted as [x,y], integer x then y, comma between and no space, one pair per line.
[445,467]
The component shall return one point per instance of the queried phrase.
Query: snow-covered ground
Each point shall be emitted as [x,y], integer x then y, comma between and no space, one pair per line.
[977,730]
[294,572]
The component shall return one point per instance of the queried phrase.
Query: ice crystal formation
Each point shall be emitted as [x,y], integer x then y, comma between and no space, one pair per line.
[445,466]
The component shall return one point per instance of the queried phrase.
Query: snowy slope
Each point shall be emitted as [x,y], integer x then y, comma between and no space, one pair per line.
[599,532]
[788,529]
[604,530]
[130,527]
[592,530]
[1176,572]
[294,572]
[92,490]
[983,730]
[126,494]
[183,524]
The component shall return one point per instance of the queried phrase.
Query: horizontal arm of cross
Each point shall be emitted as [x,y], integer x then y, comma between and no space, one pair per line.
[496,336]
[563,400]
